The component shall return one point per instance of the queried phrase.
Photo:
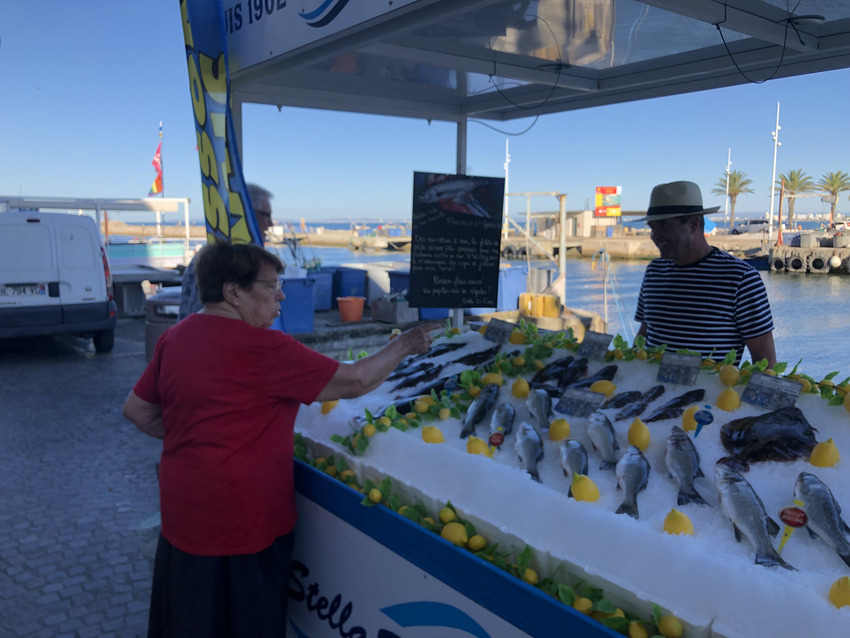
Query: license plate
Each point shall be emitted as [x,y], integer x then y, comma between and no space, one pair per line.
[22,290]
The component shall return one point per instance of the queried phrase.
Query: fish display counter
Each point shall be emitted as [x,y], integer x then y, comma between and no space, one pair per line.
[528,488]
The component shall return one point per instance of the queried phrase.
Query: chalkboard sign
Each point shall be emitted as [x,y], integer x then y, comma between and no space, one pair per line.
[455,241]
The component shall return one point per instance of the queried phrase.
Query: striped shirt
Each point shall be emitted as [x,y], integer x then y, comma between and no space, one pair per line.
[710,306]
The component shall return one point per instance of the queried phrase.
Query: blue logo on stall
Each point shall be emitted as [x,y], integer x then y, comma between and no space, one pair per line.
[433,614]
[324,14]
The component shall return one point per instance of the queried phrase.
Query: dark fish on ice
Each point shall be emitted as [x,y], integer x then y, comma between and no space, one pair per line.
[477,358]
[604,441]
[622,399]
[529,448]
[674,407]
[551,371]
[434,352]
[479,409]
[443,383]
[567,375]
[824,514]
[636,409]
[605,374]
[781,435]
[427,373]
[742,506]
[683,465]
[632,477]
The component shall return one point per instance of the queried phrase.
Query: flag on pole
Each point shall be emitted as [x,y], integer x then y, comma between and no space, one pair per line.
[157,186]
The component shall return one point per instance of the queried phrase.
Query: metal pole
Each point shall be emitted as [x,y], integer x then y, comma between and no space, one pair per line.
[457,313]
[505,216]
[728,173]
[776,146]
[562,245]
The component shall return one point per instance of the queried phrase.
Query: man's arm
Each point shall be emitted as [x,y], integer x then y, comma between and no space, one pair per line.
[762,347]
[356,379]
[145,416]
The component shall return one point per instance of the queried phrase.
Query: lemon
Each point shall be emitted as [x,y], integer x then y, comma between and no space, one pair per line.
[559,430]
[728,400]
[582,604]
[427,399]
[520,388]
[770,372]
[708,364]
[637,630]
[320,462]
[603,386]
[369,430]
[327,406]
[689,423]
[641,355]
[729,375]
[678,523]
[385,420]
[539,364]
[517,338]
[445,413]
[402,509]
[583,488]
[447,514]
[474,445]
[839,593]
[825,454]
[807,385]
[477,543]
[530,576]
[639,434]
[474,390]
[375,495]
[846,401]
[482,329]
[492,377]
[618,354]
[432,434]
[331,470]
[347,476]
[355,440]
[420,406]
[455,533]
[518,362]
[455,330]
[670,627]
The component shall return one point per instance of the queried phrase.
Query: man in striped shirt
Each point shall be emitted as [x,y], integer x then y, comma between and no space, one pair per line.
[695,296]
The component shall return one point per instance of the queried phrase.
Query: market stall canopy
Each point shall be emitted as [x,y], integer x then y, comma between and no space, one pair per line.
[507,59]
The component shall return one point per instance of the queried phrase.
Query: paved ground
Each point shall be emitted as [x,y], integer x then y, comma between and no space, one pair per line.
[78,491]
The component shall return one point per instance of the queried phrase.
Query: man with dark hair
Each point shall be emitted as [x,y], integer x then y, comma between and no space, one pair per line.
[695,296]
[190,302]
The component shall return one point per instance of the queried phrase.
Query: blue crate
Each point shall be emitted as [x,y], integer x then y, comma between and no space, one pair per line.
[512,282]
[347,282]
[296,311]
[322,288]
[400,281]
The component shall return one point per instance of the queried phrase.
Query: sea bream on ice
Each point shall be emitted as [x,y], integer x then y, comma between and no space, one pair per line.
[823,514]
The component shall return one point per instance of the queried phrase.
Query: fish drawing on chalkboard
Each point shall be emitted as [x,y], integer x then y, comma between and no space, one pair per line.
[455,194]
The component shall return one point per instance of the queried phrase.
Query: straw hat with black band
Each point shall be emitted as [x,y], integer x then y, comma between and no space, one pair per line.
[676,199]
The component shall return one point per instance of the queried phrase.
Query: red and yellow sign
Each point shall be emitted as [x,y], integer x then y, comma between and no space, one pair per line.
[607,201]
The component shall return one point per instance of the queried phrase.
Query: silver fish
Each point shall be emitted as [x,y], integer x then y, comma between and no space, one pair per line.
[824,514]
[503,420]
[683,465]
[604,440]
[479,409]
[529,448]
[632,477]
[573,459]
[449,188]
[540,407]
[742,506]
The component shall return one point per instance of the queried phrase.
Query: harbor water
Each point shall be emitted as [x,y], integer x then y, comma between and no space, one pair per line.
[809,311]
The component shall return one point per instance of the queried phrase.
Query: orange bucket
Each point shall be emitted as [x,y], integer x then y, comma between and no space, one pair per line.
[350,308]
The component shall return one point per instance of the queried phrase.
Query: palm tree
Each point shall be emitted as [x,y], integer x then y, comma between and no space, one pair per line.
[739,184]
[833,184]
[795,182]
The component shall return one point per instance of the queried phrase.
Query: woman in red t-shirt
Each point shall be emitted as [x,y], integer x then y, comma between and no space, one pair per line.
[222,392]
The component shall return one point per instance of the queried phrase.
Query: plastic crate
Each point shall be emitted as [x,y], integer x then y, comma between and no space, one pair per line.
[296,311]
[400,281]
[512,282]
[347,282]
[322,288]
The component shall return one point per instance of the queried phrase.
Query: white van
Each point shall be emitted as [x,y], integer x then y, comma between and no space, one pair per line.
[54,278]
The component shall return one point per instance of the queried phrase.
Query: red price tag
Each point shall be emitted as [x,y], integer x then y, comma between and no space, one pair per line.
[793,516]
[496,439]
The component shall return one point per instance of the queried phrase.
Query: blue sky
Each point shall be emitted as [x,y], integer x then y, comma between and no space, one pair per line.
[86,84]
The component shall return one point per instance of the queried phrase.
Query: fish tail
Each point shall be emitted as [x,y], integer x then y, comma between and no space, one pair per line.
[628,508]
[692,496]
[570,491]
[773,560]
[535,475]
[845,557]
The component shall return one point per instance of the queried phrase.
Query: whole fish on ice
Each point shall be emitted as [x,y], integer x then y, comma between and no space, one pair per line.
[674,407]
[573,457]
[503,420]
[632,478]
[604,440]
[479,409]
[622,399]
[605,374]
[683,465]
[824,514]
[427,373]
[743,507]
[529,448]
[781,435]
[539,405]
[636,409]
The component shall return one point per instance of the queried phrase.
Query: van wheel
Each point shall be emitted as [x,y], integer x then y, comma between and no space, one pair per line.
[104,341]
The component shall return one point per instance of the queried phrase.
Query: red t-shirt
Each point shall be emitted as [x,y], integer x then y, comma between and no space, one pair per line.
[229,394]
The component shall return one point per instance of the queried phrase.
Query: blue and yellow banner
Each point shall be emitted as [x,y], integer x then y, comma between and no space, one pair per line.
[227,209]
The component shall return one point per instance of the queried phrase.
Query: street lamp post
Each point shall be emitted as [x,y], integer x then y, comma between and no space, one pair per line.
[776,145]
[728,174]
